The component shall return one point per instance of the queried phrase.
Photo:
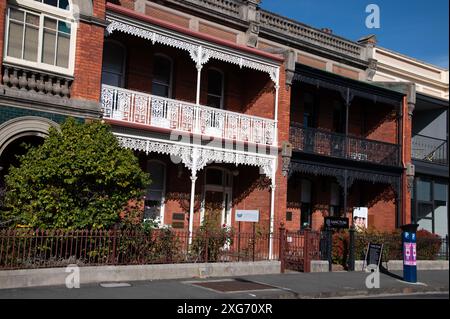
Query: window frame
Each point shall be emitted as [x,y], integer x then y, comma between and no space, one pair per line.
[44,12]
[168,58]
[222,97]
[124,62]
[163,190]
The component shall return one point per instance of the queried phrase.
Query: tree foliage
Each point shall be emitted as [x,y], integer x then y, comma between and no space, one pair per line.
[79,178]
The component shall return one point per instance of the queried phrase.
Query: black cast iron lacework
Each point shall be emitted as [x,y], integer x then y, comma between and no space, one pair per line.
[340,174]
[321,142]
[376,98]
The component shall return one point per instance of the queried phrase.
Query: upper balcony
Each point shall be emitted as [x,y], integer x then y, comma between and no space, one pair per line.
[429,149]
[159,112]
[326,143]
[164,77]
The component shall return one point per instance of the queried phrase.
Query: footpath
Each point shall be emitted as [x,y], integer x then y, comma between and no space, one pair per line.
[290,285]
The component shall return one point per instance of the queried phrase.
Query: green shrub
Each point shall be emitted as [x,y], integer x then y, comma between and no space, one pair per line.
[79,178]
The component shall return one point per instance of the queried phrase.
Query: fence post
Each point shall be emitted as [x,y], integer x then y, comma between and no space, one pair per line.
[114,245]
[306,259]
[282,247]
[329,249]
[446,247]
[351,257]
[206,246]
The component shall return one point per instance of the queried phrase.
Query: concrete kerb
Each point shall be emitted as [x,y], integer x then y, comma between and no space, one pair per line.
[56,276]
[322,265]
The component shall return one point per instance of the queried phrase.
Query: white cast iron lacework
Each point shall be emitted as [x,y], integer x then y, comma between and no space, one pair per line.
[200,53]
[140,108]
[195,157]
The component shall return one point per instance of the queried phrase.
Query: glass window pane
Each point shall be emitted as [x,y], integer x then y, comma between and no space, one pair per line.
[50,23]
[426,224]
[48,50]
[441,220]
[15,40]
[425,211]
[63,50]
[64,4]
[214,82]
[156,171]
[335,195]
[111,79]
[214,101]
[161,70]
[306,191]
[440,192]
[214,177]
[154,196]
[423,190]
[32,19]
[31,43]
[64,27]
[51,2]
[160,90]
[16,14]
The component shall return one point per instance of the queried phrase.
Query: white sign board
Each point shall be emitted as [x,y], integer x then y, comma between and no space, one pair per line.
[247,216]
[360,217]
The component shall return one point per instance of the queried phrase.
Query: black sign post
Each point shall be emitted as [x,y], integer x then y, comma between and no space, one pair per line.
[373,255]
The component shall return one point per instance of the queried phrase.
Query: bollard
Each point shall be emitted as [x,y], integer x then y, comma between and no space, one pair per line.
[351,257]
[409,252]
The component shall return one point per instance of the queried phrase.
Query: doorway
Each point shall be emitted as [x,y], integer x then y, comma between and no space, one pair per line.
[217,196]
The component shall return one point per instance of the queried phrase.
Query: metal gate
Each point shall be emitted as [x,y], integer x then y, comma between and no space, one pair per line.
[297,249]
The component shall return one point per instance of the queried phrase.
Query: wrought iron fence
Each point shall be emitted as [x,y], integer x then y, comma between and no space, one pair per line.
[57,248]
[429,149]
[321,142]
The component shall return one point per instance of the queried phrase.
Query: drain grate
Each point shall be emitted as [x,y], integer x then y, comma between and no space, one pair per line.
[233,285]
[114,284]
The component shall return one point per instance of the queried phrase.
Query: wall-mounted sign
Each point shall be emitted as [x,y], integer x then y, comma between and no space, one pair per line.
[336,222]
[251,216]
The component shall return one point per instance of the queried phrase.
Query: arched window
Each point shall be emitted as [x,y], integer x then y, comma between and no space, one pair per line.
[154,199]
[61,4]
[162,76]
[215,89]
[113,68]
[41,34]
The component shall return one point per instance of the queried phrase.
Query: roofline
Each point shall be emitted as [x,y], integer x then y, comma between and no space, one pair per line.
[412,58]
[173,27]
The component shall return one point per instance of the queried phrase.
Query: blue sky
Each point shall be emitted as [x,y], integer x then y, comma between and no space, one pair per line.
[417,28]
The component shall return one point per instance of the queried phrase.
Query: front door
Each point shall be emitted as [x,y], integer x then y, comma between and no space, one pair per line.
[217,206]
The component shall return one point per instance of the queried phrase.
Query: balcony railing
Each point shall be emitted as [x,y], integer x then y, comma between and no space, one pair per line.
[136,107]
[321,142]
[429,149]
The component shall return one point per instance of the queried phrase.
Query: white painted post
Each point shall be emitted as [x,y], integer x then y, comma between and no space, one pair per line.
[272,217]
[191,207]
[277,91]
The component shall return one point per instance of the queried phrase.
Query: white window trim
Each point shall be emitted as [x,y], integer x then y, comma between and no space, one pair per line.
[163,197]
[222,97]
[164,56]
[35,5]
[40,65]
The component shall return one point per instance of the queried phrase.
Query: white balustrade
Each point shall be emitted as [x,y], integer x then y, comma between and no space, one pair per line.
[136,107]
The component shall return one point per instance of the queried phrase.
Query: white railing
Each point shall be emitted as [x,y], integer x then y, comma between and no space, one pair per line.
[136,107]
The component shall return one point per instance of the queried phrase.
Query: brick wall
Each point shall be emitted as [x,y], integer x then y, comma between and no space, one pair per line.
[2,30]
[89,51]
[367,119]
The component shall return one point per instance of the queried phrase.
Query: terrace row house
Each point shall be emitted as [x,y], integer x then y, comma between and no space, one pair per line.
[228,107]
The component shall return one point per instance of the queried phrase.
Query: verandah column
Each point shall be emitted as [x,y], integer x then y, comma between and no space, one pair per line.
[272,217]
[192,199]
